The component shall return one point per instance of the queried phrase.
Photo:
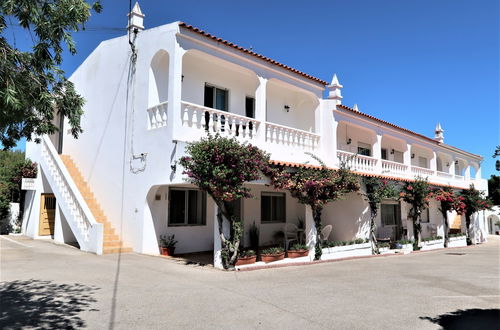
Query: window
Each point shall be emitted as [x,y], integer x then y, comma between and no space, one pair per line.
[422,161]
[390,214]
[384,153]
[216,98]
[398,156]
[250,107]
[364,149]
[424,217]
[272,207]
[186,207]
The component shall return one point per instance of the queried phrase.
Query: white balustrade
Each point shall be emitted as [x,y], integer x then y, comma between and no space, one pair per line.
[444,175]
[158,115]
[459,177]
[288,136]
[394,168]
[421,171]
[203,119]
[87,231]
[357,162]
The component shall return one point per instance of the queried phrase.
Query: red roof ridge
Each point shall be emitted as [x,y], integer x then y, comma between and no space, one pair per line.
[402,129]
[250,52]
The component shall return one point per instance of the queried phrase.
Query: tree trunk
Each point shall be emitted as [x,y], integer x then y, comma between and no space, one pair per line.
[445,228]
[317,222]
[467,228]
[229,246]
[373,234]
[416,231]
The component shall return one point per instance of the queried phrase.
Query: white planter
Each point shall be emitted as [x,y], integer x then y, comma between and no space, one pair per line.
[432,245]
[406,248]
[347,251]
[457,241]
[386,250]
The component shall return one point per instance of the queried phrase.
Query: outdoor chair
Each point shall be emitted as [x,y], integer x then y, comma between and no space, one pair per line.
[384,234]
[325,233]
[290,234]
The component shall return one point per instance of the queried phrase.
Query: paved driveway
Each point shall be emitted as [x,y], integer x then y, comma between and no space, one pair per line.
[54,286]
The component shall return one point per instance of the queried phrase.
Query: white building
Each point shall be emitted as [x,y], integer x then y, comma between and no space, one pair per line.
[119,183]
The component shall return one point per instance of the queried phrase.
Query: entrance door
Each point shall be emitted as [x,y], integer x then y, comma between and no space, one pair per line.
[391,218]
[47,214]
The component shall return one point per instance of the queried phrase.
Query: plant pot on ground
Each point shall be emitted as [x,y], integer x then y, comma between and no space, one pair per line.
[246,257]
[272,254]
[167,245]
[298,250]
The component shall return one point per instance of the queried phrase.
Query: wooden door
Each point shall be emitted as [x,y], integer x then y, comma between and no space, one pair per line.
[47,214]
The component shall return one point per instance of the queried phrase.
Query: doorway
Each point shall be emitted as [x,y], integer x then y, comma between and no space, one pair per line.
[47,215]
[391,218]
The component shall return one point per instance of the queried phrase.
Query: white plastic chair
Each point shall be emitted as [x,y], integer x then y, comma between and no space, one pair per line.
[290,234]
[325,232]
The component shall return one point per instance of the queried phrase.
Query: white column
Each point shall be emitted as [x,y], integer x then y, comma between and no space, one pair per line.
[478,172]
[407,158]
[467,172]
[433,162]
[174,119]
[452,166]
[377,153]
[58,231]
[260,109]
[311,233]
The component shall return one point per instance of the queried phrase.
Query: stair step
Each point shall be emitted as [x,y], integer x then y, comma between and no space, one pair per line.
[110,237]
[116,250]
[111,244]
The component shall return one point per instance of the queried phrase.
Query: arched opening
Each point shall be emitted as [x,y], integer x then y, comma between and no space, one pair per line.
[158,79]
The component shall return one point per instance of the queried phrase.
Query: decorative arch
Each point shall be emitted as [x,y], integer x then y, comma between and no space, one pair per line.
[158,78]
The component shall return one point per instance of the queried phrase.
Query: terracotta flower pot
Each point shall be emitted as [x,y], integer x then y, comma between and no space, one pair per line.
[272,257]
[298,253]
[246,260]
[167,251]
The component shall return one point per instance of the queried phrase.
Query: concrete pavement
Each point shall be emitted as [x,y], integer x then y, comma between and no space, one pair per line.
[54,286]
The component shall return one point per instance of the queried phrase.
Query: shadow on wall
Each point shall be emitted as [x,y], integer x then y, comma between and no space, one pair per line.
[467,319]
[43,304]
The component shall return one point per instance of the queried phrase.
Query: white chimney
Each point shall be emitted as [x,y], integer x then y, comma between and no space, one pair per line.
[439,137]
[355,107]
[135,18]
[334,90]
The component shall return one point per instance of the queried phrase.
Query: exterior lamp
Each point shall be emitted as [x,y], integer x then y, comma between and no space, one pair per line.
[349,141]
[287,108]
[392,151]
[412,156]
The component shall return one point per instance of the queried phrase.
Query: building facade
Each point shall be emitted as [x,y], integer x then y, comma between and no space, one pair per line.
[119,184]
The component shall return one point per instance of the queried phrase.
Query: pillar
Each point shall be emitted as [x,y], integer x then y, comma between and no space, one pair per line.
[174,117]
[260,109]
[377,153]
[58,230]
[407,158]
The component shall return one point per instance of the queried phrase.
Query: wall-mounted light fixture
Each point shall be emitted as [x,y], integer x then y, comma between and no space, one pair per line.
[392,151]
[182,78]
[349,141]
[448,164]
[456,162]
[287,108]
[412,156]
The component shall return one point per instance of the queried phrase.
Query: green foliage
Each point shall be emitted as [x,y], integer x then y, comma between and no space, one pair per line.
[417,194]
[404,241]
[432,238]
[474,200]
[247,253]
[494,189]
[32,85]
[315,187]
[457,235]
[384,245]
[273,251]
[344,243]
[299,247]
[167,241]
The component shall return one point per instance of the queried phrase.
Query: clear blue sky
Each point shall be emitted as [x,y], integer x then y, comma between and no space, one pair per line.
[413,63]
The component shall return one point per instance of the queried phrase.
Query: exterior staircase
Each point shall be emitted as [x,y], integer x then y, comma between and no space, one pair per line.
[111,241]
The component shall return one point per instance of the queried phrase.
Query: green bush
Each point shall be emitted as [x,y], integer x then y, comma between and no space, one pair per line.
[432,238]
[384,245]
[299,247]
[273,251]
[404,241]
[247,253]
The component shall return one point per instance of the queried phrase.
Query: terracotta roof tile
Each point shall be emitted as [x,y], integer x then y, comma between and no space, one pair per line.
[361,114]
[267,59]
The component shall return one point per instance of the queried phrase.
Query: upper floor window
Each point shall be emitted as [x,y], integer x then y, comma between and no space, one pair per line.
[250,107]
[216,98]
[398,156]
[422,161]
[186,207]
[384,154]
[364,149]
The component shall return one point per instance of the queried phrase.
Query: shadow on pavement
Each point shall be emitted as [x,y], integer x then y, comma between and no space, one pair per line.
[467,319]
[44,304]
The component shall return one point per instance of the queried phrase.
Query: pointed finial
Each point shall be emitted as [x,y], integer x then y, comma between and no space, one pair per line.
[334,89]
[335,81]
[136,18]
[355,107]
[439,136]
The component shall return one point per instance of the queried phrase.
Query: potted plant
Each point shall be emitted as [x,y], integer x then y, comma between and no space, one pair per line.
[298,250]
[167,245]
[246,257]
[272,254]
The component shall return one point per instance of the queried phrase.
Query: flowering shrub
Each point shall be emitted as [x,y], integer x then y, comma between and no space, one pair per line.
[417,194]
[474,201]
[448,202]
[315,187]
[376,190]
[220,166]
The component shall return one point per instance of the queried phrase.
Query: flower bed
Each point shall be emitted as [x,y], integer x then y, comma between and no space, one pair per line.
[432,243]
[457,241]
[339,250]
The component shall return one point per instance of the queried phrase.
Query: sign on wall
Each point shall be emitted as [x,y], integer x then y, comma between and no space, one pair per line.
[28,184]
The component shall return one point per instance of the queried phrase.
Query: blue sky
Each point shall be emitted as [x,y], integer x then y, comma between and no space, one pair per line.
[413,63]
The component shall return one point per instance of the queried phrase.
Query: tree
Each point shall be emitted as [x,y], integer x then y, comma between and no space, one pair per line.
[474,201]
[416,194]
[448,202]
[494,189]
[315,187]
[220,166]
[32,84]
[376,190]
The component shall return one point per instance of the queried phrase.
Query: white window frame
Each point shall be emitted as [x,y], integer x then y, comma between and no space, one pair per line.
[203,206]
